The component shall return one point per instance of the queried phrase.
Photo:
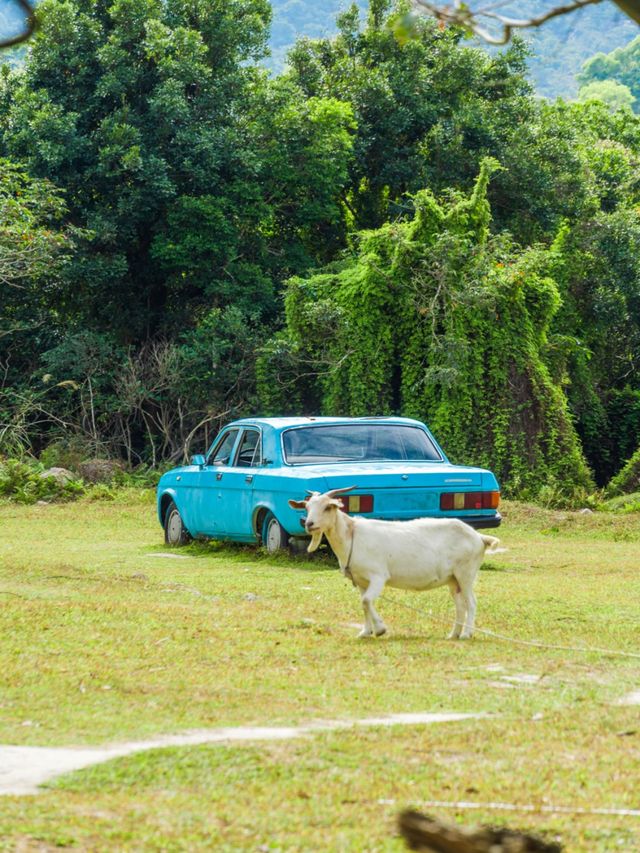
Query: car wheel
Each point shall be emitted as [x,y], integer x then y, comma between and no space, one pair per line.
[175,533]
[274,537]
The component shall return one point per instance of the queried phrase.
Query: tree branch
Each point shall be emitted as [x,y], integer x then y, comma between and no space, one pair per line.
[459,14]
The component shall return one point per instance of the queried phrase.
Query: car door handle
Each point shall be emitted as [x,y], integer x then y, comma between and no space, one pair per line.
[249,478]
[218,476]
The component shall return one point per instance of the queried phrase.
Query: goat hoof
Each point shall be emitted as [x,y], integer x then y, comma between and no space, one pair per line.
[364,634]
[453,636]
[381,631]
[466,636]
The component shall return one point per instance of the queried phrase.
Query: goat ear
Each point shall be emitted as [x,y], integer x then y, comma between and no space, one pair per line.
[298,504]
[336,502]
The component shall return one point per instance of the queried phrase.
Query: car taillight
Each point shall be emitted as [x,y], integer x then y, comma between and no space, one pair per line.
[357,503]
[469,500]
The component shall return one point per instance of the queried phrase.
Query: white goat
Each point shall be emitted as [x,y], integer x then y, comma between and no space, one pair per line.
[421,554]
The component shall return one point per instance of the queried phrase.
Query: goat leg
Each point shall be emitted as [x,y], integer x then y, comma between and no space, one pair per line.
[376,585]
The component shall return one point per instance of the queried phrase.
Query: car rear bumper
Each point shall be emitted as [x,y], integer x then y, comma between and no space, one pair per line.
[482,522]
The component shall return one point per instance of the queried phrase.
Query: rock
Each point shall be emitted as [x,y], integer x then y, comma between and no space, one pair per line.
[586,511]
[99,470]
[250,596]
[62,476]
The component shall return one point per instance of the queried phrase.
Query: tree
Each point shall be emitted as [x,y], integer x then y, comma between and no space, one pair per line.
[435,319]
[615,95]
[595,336]
[34,248]
[199,184]
[621,67]
[428,109]
[131,108]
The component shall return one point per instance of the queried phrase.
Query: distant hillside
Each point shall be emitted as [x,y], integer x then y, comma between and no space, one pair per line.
[560,46]
[311,18]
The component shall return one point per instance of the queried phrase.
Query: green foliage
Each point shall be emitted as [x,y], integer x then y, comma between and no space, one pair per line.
[186,167]
[130,108]
[559,48]
[622,503]
[149,403]
[596,333]
[614,72]
[427,109]
[436,319]
[169,188]
[615,95]
[627,480]
[22,482]
[198,184]
[66,454]
[34,248]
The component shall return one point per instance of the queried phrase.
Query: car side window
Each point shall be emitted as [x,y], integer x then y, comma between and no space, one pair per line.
[248,455]
[221,453]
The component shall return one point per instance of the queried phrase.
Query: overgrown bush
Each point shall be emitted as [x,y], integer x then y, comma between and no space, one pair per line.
[69,453]
[626,481]
[437,320]
[23,482]
[622,503]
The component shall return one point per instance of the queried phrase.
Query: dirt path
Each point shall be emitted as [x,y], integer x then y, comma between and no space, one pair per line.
[24,768]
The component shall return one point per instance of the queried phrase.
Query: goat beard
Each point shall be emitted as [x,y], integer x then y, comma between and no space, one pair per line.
[316,539]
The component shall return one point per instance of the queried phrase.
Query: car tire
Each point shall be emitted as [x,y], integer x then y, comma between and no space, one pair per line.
[274,537]
[175,533]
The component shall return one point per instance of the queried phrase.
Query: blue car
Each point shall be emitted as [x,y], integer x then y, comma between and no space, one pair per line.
[241,488]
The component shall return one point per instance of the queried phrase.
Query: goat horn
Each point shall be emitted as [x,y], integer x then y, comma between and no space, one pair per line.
[334,492]
[309,492]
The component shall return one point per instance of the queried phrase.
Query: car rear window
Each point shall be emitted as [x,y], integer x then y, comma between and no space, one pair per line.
[358,443]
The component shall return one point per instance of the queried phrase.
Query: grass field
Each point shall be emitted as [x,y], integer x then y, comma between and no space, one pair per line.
[104,639]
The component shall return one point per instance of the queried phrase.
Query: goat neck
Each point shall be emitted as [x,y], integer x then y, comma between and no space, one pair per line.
[339,536]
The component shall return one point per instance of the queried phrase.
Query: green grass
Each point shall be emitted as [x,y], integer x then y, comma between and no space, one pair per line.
[105,640]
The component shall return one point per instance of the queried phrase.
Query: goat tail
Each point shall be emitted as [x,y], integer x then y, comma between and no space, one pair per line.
[491,545]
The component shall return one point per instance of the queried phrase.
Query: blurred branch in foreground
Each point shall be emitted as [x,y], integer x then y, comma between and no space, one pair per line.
[495,28]
[26,28]
[429,835]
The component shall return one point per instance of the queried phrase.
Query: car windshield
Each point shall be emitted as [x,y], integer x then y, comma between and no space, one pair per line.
[358,443]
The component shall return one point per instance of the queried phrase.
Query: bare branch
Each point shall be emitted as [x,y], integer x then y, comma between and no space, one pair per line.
[460,15]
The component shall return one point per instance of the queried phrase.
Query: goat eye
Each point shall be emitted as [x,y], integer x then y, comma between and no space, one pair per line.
[327,508]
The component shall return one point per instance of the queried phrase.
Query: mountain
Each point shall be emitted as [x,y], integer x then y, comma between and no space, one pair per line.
[560,46]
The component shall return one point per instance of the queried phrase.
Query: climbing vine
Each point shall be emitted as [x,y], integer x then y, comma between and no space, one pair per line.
[436,319]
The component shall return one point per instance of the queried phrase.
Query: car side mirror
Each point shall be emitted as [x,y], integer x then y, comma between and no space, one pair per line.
[198,460]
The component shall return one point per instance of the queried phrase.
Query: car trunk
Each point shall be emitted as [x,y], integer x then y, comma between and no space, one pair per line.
[406,491]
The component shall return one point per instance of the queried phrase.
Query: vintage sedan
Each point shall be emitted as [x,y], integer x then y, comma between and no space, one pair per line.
[240,489]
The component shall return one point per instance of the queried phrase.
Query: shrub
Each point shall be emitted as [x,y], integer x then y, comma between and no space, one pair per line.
[66,453]
[628,479]
[23,482]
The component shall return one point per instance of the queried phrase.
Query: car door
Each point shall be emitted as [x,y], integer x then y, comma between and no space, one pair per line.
[207,496]
[235,494]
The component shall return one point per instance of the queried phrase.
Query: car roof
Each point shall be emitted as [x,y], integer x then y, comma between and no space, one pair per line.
[284,423]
